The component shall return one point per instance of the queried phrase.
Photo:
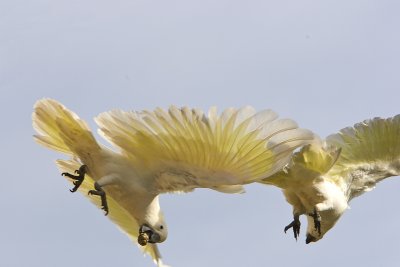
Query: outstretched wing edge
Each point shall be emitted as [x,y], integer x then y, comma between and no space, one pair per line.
[238,146]
[370,153]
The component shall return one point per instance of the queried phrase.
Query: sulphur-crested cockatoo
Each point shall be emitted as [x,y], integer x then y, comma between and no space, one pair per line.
[174,150]
[324,176]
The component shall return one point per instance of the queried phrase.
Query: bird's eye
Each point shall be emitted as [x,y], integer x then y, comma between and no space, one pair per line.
[161,227]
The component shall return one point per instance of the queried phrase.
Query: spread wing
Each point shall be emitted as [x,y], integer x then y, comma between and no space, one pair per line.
[310,163]
[370,153]
[125,222]
[184,148]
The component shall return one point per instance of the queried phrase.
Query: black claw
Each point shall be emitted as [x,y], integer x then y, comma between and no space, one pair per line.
[317,221]
[295,224]
[104,204]
[288,227]
[78,178]
[100,192]
[318,227]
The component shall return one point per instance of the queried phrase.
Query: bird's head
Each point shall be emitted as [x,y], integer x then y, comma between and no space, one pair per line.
[153,232]
[328,219]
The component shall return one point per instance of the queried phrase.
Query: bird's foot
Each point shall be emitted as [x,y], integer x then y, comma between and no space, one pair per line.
[317,220]
[78,178]
[295,224]
[100,192]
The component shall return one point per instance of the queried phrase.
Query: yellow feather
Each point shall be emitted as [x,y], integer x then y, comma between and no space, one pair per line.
[375,140]
[117,214]
[230,143]
[62,130]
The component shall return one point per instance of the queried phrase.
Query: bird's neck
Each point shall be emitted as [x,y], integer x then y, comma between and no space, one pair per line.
[145,208]
[322,195]
[152,211]
[333,197]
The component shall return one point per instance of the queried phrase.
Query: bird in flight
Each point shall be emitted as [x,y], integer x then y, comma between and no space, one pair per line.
[324,176]
[174,150]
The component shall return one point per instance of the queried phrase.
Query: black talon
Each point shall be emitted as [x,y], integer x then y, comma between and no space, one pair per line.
[78,178]
[317,220]
[295,224]
[100,192]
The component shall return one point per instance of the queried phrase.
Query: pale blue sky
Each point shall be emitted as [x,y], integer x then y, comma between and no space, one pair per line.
[326,64]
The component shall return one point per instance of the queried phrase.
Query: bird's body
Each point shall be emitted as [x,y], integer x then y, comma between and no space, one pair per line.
[324,176]
[161,151]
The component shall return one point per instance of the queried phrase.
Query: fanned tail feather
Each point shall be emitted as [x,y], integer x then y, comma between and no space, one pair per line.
[61,129]
[118,215]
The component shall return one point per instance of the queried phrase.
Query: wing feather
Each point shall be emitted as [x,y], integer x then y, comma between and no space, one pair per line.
[184,149]
[370,153]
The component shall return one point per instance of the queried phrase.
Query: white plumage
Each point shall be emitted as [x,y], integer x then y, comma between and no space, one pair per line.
[324,176]
[174,150]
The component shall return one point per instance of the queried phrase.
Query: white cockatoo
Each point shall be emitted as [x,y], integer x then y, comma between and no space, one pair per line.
[174,150]
[324,176]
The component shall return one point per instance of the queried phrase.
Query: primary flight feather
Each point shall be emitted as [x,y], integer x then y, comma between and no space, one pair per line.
[174,150]
[324,176]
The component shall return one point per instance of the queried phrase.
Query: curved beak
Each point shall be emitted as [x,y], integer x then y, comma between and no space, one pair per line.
[310,239]
[152,236]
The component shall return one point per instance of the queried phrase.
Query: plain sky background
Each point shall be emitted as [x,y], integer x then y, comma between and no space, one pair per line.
[326,64]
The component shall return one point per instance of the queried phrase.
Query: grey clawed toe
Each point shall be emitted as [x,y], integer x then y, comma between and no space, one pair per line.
[295,224]
[100,192]
[78,178]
